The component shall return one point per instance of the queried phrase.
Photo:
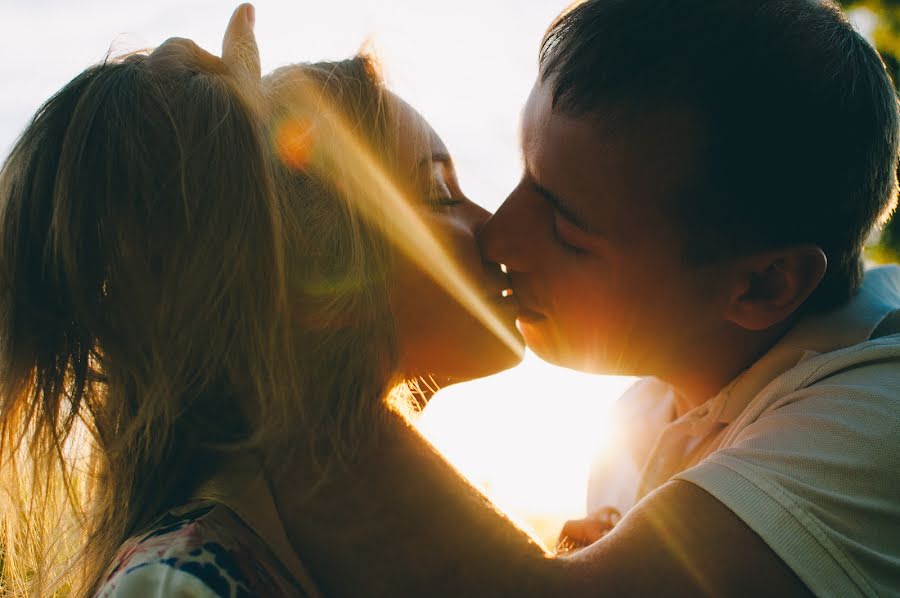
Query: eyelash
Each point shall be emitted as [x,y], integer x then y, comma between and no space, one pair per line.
[573,249]
[443,202]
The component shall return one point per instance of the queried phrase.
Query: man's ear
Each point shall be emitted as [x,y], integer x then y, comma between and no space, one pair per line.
[770,286]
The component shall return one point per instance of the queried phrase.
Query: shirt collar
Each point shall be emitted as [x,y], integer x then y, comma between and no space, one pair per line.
[811,336]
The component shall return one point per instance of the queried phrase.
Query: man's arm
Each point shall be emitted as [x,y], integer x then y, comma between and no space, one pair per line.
[401,521]
[682,541]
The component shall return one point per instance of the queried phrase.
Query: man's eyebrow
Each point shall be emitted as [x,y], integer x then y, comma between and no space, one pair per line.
[561,206]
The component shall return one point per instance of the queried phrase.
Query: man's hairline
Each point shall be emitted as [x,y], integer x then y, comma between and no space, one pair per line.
[627,129]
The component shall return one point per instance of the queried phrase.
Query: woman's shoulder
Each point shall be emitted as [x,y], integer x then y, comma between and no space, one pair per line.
[201,549]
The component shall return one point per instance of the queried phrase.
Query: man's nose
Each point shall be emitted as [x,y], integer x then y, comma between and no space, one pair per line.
[507,236]
[476,217]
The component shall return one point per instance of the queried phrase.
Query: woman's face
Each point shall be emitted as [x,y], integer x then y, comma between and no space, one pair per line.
[437,335]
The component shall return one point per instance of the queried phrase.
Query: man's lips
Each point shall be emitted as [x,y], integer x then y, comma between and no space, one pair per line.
[526,312]
[505,299]
[529,315]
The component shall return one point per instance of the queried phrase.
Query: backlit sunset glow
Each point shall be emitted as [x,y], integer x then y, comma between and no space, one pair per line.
[527,437]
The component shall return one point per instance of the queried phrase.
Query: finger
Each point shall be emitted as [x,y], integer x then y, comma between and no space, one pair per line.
[239,49]
[179,51]
[614,517]
[583,531]
[611,515]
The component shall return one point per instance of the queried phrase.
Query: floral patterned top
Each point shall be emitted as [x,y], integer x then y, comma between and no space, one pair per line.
[202,549]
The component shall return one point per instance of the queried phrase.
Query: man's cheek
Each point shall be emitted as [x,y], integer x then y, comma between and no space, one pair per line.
[585,303]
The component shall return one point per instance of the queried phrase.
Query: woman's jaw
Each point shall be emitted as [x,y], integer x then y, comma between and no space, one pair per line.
[449,332]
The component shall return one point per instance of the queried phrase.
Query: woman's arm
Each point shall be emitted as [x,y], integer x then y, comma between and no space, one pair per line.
[402,521]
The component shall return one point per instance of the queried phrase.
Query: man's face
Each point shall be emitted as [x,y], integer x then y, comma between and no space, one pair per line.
[594,262]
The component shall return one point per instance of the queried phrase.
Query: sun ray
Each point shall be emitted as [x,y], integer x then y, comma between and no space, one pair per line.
[318,137]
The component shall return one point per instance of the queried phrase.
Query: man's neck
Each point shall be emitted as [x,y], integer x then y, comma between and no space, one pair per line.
[719,364]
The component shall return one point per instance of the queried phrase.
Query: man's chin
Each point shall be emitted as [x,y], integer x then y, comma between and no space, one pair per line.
[539,343]
[497,358]
[571,357]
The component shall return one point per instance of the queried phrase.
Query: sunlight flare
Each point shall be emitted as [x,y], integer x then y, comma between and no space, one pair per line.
[316,137]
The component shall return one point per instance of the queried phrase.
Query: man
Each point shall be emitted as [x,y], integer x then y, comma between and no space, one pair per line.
[693,208]
[700,176]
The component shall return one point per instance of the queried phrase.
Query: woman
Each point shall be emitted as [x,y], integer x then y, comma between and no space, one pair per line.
[210,286]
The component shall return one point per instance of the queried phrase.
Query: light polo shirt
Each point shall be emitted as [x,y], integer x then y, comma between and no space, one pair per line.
[803,446]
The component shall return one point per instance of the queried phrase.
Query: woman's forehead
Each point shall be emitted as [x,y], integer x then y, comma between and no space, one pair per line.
[417,140]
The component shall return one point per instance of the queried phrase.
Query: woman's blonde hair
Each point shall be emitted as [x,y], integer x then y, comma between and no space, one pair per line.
[171,291]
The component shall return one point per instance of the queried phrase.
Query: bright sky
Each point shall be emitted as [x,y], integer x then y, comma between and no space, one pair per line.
[526,436]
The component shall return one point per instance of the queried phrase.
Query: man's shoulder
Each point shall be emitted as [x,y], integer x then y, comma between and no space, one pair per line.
[814,470]
[852,393]
[855,401]
[870,365]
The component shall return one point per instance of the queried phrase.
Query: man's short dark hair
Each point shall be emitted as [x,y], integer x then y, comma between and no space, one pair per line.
[796,113]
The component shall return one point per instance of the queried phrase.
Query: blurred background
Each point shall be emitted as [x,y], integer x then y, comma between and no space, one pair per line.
[528,436]
[879,21]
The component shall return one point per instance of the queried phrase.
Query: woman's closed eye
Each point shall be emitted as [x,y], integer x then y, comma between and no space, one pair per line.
[443,203]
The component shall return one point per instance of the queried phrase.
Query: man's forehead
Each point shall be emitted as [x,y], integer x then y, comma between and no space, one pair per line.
[611,122]
[646,157]
[537,112]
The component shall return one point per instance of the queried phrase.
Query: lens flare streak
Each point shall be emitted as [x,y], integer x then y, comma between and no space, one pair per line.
[341,155]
